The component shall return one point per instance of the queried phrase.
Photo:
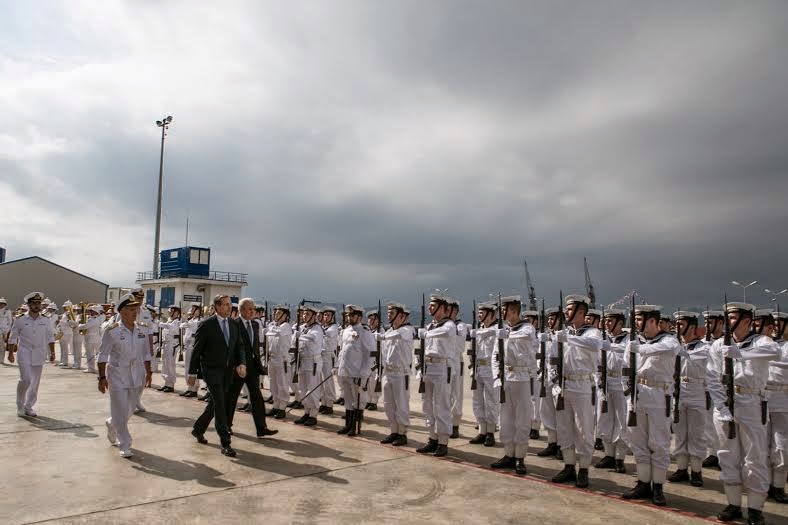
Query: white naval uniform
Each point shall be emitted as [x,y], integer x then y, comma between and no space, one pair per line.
[457,368]
[548,412]
[76,346]
[612,425]
[33,337]
[279,337]
[329,391]
[92,340]
[66,327]
[777,389]
[690,432]
[125,352]
[575,424]
[6,320]
[354,365]
[743,459]
[147,325]
[311,364]
[486,397]
[436,401]
[650,438]
[171,338]
[372,396]
[189,329]
[397,356]
[520,348]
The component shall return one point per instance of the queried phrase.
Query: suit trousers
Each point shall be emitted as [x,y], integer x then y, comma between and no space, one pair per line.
[650,442]
[216,408]
[354,391]
[252,382]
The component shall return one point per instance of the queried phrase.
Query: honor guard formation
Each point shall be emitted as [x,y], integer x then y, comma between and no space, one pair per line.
[702,389]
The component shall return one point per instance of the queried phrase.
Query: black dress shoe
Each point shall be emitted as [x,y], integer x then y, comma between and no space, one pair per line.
[504,462]
[478,440]
[606,462]
[534,434]
[711,462]
[269,400]
[429,448]
[402,439]
[489,441]
[228,451]
[246,407]
[299,405]
[598,445]
[776,494]
[550,450]
[559,455]
[389,439]
[340,401]
[272,412]
[310,421]
[372,406]
[280,414]
[642,490]
[755,517]
[292,404]
[321,410]
[328,411]
[696,479]
[267,432]
[519,467]
[441,451]
[620,468]
[168,389]
[303,419]
[658,498]
[199,437]
[350,422]
[183,394]
[189,393]
[680,475]
[161,388]
[730,513]
[582,478]
[455,432]
[566,475]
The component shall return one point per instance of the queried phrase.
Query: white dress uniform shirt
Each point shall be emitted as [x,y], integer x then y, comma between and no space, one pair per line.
[33,337]
[354,359]
[397,351]
[125,352]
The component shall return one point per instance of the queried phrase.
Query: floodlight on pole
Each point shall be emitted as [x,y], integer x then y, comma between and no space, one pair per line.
[744,288]
[163,124]
[774,294]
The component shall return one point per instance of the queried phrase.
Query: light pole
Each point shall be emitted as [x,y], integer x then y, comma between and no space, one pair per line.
[744,288]
[775,295]
[163,124]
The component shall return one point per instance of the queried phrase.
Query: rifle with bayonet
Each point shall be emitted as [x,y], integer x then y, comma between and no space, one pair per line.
[501,353]
[559,403]
[298,342]
[264,340]
[603,367]
[729,375]
[632,419]
[677,376]
[378,357]
[542,353]
[472,352]
[421,351]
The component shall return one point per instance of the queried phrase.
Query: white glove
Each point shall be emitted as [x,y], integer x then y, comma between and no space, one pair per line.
[502,333]
[422,333]
[560,336]
[379,336]
[633,347]
[606,346]
[724,414]
[297,335]
[731,351]
[472,333]
[544,337]
[556,390]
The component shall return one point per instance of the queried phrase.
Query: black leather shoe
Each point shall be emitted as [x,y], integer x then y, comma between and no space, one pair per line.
[269,400]
[489,441]
[559,455]
[606,462]
[711,462]
[680,475]
[429,448]
[310,421]
[658,498]
[301,420]
[161,388]
[755,517]
[455,432]
[389,439]
[292,404]
[550,450]
[280,414]
[328,411]
[189,393]
[183,394]
[340,401]
[402,439]
[267,432]
[271,413]
[620,468]
[598,445]
[478,440]
[199,437]
[696,479]
[504,462]
[372,406]
[582,478]
[321,410]
[228,451]
[566,475]
[519,467]
[168,389]
[441,451]
[246,407]
[299,405]
[641,490]
[534,434]
[350,421]
[730,513]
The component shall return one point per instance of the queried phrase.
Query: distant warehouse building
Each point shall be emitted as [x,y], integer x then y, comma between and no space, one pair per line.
[22,276]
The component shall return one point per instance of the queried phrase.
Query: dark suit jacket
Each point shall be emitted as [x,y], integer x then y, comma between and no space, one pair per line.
[215,358]
[252,348]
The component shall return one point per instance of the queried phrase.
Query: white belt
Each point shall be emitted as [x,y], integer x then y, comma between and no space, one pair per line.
[776,387]
[391,368]
[697,380]
[512,368]
[652,383]
[577,377]
[614,374]
[745,390]
[434,359]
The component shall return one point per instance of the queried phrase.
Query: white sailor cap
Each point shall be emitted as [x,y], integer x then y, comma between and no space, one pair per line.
[309,308]
[511,299]
[67,304]
[46,301]
[396,306]
[353,309]
[127,300]
[453,302]
[34,296]
[615,312]
[739,307]
[136,291]
[530,313]
[665,317]
[684,314]
[594,312]
[373,313]
[577,298]
[780,315]
[175,307]
[713,314]
[762,312]
[96,308]
[553,310]
[150,307]
[327,309]
[439,297]
[3,301]
[647,309]
[52,306]
[406,310]
[195,305]
[487,306]
[284,307]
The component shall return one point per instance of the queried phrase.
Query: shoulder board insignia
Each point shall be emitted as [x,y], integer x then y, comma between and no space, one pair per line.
[113,326]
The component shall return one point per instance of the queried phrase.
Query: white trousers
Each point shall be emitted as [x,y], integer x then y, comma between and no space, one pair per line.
[91,351]
[516,418]
[575,427]
[65,349]
[308,379]
[536,407]
[372,396]
[612,425]
[711,434]
[486,403]
[397,403]
[549,416]
[279,383]
[27,387]
[168,361]
[354,391]
[329,390]
[2,346]
[436,405]
[650,442]
[456,395]
[778,434]
[187,358]
[76,349]
[122,402]
[690,435]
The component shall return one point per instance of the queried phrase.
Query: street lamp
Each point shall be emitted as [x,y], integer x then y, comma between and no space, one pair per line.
[163,124]
[775,295]
[744,288]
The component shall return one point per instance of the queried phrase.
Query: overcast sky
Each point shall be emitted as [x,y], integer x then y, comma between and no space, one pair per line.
[349,150]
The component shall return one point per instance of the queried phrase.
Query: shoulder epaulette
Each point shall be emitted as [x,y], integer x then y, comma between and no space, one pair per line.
[112,326]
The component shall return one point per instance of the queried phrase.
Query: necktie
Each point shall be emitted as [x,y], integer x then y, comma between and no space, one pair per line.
[226,332]
[249,330]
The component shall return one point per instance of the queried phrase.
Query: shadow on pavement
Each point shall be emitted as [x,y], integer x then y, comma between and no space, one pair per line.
[183,470]
[80,430]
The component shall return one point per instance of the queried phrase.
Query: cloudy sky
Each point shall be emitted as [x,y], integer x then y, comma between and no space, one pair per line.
[349,150]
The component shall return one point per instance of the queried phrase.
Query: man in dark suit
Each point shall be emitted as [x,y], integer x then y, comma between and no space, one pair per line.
[218,349]
[250,335]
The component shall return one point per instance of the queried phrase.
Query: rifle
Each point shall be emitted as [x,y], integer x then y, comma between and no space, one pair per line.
[543,353]
[559,403]
[264,343]
[472,352]
[677,378]
[298,341]
[422,350]
[378,360]
[501,353]
[728,376]
[603,368]
[632,419]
